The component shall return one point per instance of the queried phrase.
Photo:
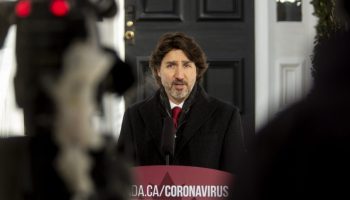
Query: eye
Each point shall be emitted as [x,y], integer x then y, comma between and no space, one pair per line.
[170,65]
[187,65]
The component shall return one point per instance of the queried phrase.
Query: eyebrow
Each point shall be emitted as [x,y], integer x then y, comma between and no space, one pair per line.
[175,62]
[171,62]
[186,62]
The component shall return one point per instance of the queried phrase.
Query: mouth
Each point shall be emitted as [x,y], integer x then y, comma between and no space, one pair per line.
[179,86]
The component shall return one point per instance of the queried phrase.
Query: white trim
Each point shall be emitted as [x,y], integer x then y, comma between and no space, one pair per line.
[280,43]
[261,62]
[288,83]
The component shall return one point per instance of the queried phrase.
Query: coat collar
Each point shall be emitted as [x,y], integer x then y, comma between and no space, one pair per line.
[199,112]
[198,109]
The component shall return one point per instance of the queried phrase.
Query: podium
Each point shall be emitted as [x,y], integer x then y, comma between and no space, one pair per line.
[180,182]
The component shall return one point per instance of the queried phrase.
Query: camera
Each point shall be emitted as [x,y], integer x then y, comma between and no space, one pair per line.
[45,30]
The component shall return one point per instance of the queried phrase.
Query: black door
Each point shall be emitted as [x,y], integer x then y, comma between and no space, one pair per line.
[223,28]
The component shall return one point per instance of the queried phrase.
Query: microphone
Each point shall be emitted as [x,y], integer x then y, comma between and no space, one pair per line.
[168,139]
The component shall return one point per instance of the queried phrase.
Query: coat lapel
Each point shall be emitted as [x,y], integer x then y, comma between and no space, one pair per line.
[199,113]
[152,114]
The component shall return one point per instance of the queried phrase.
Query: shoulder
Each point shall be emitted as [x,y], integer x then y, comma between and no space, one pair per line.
[218,104]
[223,105]
[149,102]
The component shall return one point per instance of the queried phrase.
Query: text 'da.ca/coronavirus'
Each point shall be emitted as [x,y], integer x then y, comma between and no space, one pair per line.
[204,191]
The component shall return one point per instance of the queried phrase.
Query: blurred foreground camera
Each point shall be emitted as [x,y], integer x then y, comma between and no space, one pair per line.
[45,29]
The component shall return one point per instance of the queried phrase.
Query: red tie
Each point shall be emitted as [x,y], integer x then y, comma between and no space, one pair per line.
[175,115]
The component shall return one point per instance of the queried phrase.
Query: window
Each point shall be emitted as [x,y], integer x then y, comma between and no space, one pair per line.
[289,10]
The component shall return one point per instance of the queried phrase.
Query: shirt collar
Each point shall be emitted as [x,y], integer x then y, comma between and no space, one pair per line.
[172,105]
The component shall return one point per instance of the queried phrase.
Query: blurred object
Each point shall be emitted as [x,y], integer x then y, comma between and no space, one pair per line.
[85,64]
[6,19]
[120,77]
[104,8]
[27,172]
[60,66]
[113,107]
[41,31]
[303,152]
[342,11]
[11,117]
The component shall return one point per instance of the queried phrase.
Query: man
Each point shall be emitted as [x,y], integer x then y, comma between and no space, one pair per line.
[208,131]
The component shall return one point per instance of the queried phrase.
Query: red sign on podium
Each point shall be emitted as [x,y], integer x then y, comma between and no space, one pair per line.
[180,182]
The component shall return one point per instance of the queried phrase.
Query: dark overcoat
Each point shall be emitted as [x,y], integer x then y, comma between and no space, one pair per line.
[210,134]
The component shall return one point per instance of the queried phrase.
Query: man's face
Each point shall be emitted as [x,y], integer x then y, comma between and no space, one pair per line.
[178,75]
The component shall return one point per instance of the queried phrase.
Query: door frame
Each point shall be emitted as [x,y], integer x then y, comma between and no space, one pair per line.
[273,61]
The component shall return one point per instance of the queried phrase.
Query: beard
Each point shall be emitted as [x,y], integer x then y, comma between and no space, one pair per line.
[178,94]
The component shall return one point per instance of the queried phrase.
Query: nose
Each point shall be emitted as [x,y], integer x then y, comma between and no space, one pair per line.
[179,73]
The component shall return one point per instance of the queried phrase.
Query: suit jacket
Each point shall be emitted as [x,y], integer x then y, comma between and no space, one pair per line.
[210,134]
